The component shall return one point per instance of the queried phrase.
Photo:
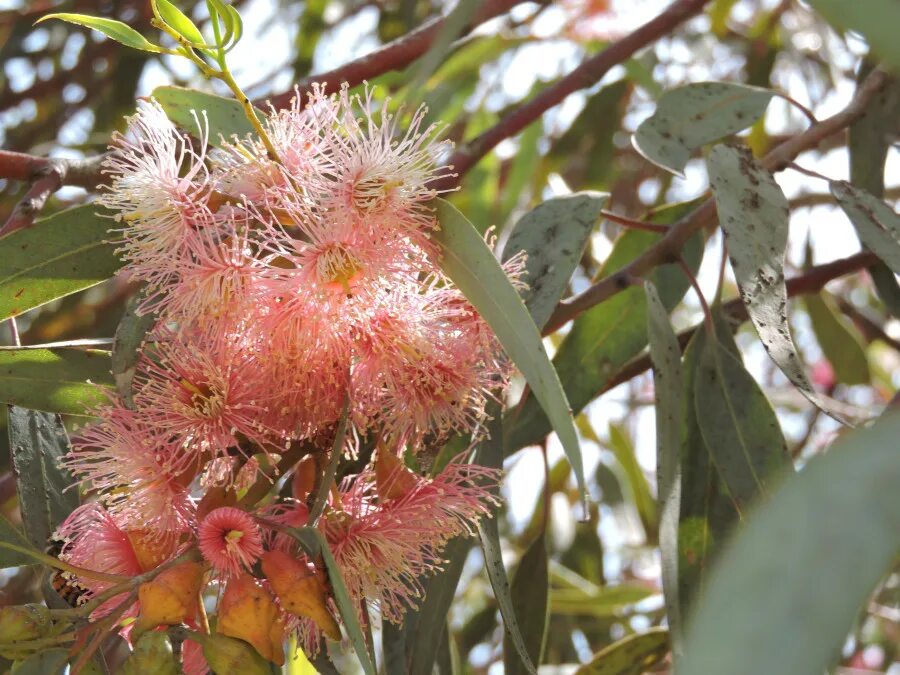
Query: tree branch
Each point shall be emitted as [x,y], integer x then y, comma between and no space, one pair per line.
[811,281]
[48,175]
[392,56]
[585,75]
[667,249]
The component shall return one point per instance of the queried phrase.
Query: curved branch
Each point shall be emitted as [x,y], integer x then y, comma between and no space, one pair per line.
[585,75]
[392,56]
[667,249]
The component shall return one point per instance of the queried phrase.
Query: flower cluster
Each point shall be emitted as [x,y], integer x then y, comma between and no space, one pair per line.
[287,287]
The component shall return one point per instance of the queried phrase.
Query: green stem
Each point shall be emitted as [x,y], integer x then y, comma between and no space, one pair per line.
[250,112]
[50,561]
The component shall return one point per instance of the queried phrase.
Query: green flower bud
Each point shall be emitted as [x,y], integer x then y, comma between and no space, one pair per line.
[152,655]
[227,656]
[24,622]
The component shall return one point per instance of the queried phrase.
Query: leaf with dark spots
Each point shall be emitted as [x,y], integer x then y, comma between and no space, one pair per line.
[689,117]
[631,655]
[757,238]
[37,442]
[553,235]
[130,334]
[876,223]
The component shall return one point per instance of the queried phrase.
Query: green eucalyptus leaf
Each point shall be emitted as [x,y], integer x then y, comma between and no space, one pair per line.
[875,20]
[689,117]
[753,212]
[178,21]
[600,602]
[606,337]
[876,223]
[126,348]
[738,425]
[38,442]
[530,600]
[783,596]
[58,256]
[839,340]
[553,235]
[468,261]
[668,382]
[52,661]
[55,380]
[12,536]
[633,655]
[225,115]
[115,30]
[623,449]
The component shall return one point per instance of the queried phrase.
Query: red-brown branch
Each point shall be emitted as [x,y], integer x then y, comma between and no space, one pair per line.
[811,281]
[667,249]
[585,75]
[392,56]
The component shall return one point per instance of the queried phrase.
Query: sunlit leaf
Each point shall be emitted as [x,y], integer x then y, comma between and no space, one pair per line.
[632,655]
[178,21]
[607,601]
[553,235]
[225,115]
[753,212]
[37,442]
[468,261]
[789,593]
[55,380]
[689,117]
[58,256]
[115,30]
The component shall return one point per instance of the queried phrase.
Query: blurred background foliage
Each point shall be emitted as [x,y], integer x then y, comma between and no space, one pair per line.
[64,90]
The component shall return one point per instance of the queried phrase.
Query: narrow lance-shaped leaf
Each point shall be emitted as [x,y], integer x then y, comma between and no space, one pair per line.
[668,389]
[553,235]
[876,223]
[126,350]
[530,600]
[707,514]
[58,256]
[791,600]
[753,212]
[55,380]
[115,30]
[623,449]
[37,442]
[738,425]
[689,117]
[632,655]
[839,340]
[607,336]
[178,21]
[468,261]
[14,546]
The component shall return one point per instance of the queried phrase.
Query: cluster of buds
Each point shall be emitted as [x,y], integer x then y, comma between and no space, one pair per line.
[296,292]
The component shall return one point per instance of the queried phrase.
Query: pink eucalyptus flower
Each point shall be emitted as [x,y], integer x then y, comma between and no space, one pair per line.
[230,540]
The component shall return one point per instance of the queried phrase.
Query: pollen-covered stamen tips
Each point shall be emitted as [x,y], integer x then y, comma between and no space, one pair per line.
[286,291]
[229,540]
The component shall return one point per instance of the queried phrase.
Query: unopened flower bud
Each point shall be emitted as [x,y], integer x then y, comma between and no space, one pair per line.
[248,612]
[304,478]
[170,598]
[152,655]
[300,590]
[228,656]
[393,479]
[24,622]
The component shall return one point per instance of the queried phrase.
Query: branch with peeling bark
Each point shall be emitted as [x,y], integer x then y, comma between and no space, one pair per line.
[667,249]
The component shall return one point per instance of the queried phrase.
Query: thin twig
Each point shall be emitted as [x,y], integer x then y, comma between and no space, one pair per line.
[585,75]
[667,249]
[634,224]
[395,55]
